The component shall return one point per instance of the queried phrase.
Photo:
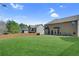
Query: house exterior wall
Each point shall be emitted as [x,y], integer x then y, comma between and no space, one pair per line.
[26,31]
[3,27]
[32,30]
[40,29]
[66,28]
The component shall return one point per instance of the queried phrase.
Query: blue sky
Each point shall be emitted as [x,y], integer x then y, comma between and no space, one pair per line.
[37,13]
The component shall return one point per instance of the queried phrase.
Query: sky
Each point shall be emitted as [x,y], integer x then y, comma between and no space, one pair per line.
[37,13]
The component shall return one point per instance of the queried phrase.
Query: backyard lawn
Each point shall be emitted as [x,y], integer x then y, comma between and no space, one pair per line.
[40,46]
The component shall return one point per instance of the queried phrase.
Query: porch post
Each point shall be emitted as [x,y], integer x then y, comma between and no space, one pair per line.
[50,32]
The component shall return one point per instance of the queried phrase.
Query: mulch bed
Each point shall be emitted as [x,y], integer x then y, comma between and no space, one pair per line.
[16,35]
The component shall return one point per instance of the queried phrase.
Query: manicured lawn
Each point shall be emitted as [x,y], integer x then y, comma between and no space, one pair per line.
[40,46]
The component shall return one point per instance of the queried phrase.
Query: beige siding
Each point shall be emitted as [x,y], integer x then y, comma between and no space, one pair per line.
[65,28]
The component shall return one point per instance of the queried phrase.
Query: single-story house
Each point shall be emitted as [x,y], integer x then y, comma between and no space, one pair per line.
[63,26]
[36,29]
[32,29]
[24,30]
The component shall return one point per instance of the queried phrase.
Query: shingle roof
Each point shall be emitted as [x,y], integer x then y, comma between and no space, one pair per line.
[32,26]
[66,19]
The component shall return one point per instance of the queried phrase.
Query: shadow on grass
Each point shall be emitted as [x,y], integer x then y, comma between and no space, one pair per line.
[70,39]
[72,50]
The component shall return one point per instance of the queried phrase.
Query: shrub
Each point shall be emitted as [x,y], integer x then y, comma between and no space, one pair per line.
[38,33]
[6,33]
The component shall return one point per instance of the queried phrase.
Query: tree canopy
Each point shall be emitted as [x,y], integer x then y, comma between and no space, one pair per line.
[23,26]
[13,27]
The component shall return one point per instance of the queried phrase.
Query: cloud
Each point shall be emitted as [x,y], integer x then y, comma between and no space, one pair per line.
[17,6]
[61,6]
[51,10]
[54,15]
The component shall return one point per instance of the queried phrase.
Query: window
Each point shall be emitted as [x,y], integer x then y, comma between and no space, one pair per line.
[73,23]
[56,27]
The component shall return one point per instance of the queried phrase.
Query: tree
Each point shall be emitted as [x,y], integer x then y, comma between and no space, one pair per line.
[23,26]
[13,27]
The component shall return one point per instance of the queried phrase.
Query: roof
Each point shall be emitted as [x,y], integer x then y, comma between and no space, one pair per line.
[35,26]
[32,26]
[66,19]
[39,25]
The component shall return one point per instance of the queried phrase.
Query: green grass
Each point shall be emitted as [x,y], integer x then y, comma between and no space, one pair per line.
[40,46]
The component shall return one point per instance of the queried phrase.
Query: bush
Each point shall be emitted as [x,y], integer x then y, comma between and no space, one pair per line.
[6,33]
[38,33]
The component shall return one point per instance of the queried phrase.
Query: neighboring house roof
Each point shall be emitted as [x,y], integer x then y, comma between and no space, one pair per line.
[32,26]
[39,25]
[66,19]
[35,26]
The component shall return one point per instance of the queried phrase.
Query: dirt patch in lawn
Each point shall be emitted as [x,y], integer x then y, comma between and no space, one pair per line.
[16,35]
